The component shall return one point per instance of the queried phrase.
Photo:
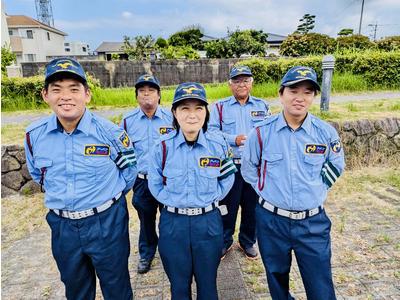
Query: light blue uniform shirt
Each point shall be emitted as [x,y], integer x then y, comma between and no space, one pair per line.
[294,159]
[195,175]
[144,132]
[80,168]
[238,119]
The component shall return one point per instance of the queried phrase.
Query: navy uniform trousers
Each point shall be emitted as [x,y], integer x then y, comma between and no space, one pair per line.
[191,246]
[311,243]
[96,245]
[146,206]
[242,194]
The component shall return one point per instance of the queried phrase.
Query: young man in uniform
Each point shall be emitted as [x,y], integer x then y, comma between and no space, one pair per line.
[145,125]
[235,116]
[85,164]
[291,160]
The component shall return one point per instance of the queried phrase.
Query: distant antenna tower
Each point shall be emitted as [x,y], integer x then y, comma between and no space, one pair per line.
[44,12]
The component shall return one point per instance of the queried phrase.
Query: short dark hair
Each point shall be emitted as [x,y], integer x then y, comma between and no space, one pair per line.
[64,75]
[175,121]
[282,87]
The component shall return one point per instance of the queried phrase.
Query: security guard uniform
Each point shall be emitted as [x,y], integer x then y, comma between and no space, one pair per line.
[232,118]
[190,179]
[144,132]
[85,175]
[291,171]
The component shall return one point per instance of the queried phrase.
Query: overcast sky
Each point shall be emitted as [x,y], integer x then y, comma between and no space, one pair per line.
[97,21]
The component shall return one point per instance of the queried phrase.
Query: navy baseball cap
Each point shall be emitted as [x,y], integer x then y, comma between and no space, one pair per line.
[64,65]
[240,70]
[298,74]
[190,90]
[147,79]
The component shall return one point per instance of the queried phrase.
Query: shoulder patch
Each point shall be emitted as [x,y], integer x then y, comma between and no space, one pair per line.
[336,146]
[124,138]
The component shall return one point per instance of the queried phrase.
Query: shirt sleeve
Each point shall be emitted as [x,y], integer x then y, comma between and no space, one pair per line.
[335,163]
[155,179]
[35,173]
[251,159]
[214,125]
[227,172]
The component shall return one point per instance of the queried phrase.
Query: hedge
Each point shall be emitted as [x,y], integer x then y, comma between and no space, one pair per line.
[380,68]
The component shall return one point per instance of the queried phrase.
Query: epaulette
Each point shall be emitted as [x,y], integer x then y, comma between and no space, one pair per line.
[131,113]
[223,100]
[216,136]
[36,124]
[267,121]
[168,136]
[166,112]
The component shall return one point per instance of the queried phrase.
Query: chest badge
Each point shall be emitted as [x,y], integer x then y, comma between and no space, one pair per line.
[209,162]
[165,129]
[97,150]
[258,114]
[124,138]
[315,149]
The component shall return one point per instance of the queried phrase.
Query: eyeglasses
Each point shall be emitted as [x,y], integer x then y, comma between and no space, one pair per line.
[240,81]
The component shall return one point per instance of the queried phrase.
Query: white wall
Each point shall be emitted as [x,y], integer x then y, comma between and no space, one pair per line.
[5,38]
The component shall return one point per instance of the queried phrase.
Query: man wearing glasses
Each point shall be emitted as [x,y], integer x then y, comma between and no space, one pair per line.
[235,116]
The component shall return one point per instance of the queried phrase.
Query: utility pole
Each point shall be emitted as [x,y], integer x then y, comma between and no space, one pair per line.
[375,26]
[361,16]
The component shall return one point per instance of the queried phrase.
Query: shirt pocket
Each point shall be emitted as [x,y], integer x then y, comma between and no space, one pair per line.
[228,125]
[208,181]
[274,164]
[313,166]
[175,181]
[47,164]
[97,169]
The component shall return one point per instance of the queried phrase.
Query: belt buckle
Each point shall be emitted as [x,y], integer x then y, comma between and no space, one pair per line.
[193,211]
[297,215]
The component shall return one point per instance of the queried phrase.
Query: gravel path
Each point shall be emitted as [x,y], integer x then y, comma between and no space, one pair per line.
[20,117]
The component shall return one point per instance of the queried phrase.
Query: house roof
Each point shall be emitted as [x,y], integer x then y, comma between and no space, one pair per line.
[110,47]
[25,21]
[272,37]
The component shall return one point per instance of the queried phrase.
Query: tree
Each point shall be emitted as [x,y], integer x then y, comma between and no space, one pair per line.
[161,43]
[218,49]
[139,47]
[306,24]
[354,42]
[7,59]
[247,42]
[178,52]
[189,36]
[345,32]
[307,44]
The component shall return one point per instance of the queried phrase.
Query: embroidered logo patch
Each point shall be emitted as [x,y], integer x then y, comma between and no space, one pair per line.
[124,138]
[336,146]
[315,149]
[165,129]
[210,162]
[258,114]
[97,150]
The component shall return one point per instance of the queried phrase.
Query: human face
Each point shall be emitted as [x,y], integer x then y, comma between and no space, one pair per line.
[190,115]
[241,86]
[148,97]
[297,99]
[67,98]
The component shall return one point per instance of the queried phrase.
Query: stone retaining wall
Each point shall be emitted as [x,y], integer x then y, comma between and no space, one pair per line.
[365,142]
[169,72]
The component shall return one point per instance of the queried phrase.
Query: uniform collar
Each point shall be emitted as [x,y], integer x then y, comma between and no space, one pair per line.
[281,123]
[157,114]
[83,125]
[200,140]
[233,100]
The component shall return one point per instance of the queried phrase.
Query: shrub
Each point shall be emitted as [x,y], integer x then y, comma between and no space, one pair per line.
[355,42]
[391,43]
[7,58]
[307,44]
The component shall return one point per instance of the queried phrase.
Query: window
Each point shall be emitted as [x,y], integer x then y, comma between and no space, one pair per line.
[29,34]
[66,44]
[48,36]
[67,49]
[10,32]
[30,57]
[84,49]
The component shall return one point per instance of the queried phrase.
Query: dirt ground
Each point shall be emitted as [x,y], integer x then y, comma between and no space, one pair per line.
[364,207]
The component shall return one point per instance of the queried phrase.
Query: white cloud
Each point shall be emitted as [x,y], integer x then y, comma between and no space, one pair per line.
[127,14]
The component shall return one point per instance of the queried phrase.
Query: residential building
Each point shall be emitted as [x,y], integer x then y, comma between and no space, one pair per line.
[76,48]
[107,49]
[33,41]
